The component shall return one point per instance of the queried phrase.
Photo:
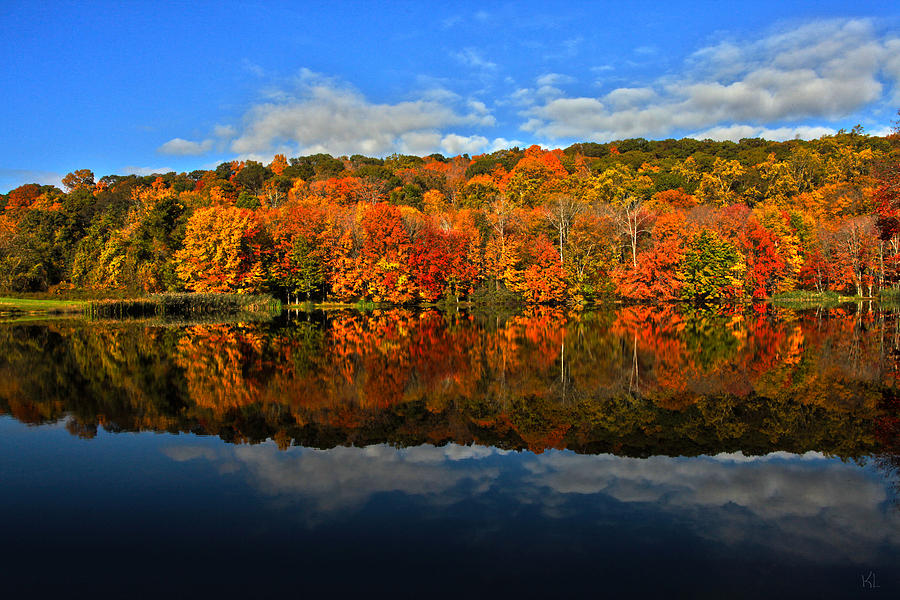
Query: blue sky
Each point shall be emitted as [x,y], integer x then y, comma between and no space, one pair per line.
[140,87]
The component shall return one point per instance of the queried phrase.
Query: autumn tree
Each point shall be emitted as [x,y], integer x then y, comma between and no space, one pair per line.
[561,213]
[380,269]
[81,178]
[297,263]
[711,270]
[221,251]
[440,265]
[633,222]
[544,281]
[855,255]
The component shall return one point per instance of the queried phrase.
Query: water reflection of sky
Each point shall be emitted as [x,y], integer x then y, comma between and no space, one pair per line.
[806,505]
[188,513]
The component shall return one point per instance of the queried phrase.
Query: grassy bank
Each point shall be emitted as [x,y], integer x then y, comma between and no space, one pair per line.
[182,306]
[40,306]
[360,305]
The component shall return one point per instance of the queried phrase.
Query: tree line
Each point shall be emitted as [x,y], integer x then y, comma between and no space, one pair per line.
[636,220]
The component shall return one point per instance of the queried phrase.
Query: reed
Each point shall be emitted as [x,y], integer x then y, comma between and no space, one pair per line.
[182,306]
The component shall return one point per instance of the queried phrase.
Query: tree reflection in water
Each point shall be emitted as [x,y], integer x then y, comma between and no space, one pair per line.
[636,381]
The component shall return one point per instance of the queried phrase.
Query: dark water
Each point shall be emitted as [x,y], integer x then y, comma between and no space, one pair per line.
[637,452]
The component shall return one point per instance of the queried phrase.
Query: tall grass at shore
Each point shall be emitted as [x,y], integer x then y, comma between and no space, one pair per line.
[183,305]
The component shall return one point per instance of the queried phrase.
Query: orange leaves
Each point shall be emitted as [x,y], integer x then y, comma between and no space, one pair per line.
[379,270]
[545,280]
[438,167]
[345,190]
[279,164]
[534,177]
[23,196]
[538,158]
[613,213]
[672,199]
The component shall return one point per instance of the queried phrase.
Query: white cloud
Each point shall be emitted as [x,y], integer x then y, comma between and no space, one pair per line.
[554,79]
[814,502]
[224,131]
[252,67]
[881,131]
[778,134]
[323,115]
[522,97]
[503,144]
[824,70]
[624,98]
[188,453]
[473,58]
[546,89]
[182,147]
[437,93]
[892,67]
[419,143]
[454,144]
[131,170]
[480,114]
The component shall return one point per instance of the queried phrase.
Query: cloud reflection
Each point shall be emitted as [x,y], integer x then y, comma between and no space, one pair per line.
[793,504]
[798,503]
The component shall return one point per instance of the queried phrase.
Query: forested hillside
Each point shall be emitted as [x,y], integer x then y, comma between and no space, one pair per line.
[637,220]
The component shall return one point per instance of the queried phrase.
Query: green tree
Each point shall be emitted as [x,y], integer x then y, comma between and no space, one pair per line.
[252,177]
[712,269]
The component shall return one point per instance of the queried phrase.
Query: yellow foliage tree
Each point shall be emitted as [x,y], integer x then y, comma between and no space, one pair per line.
[220,253]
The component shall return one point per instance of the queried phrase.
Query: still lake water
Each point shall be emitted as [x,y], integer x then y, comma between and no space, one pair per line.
[638,452]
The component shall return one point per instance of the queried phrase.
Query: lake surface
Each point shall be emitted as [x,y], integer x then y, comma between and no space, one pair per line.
[639,451]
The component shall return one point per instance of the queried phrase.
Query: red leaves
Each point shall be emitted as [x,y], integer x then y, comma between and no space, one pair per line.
[545,280]
[438,264]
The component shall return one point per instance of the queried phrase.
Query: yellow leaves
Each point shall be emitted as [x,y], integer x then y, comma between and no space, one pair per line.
[718,187]
[435,202]
[298,191]
[216,256]
[779,176]
[835,201]
[618,185]
[81,178]
[846,164]
[217,196]
[688,170]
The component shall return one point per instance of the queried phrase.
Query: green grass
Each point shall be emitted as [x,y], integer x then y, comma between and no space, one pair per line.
[33,305]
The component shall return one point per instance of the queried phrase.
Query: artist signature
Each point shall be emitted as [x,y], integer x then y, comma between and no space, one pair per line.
[868,581]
